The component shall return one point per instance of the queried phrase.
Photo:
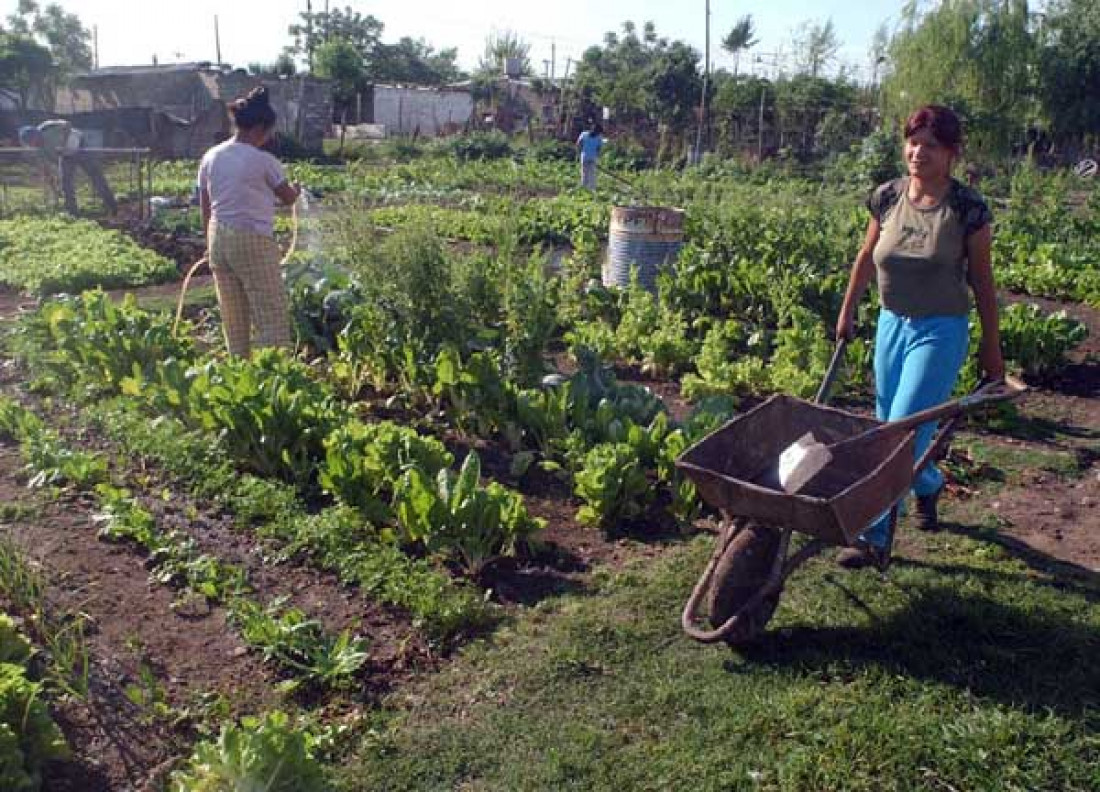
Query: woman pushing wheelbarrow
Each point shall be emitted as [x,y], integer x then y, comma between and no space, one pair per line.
[928,245]
[928,238]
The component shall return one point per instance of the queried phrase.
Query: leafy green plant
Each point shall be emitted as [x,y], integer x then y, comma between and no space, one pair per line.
[597,336]
[14,648]
[174,558]
[613,485]
[530,319]
[97,344]
[47,255]
[716,364]
[363,462]
[802,353]
[286,637]
[1037,342]
[475,392]
[480,146]
[455,515]
[339,540]
[262,754]
[268,411]
[29,738]
[61,633]
[49,459]
[641,316]
[666,349]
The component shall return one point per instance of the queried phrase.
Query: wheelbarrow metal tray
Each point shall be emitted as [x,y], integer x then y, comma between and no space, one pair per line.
[734,469]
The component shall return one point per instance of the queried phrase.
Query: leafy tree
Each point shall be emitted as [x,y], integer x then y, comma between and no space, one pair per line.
[978,56]
[736,106]
[878,51]
[505,46]
[742,37]
[1070,68]
[339,60]
[363,33]
[26,69]
[68,41]
[644,80]
[816,46]
[284,66]
[804,102]
[415,61]
[674,84]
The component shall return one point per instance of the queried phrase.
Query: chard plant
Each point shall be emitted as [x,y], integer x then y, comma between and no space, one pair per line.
[363,462]
[456,516]
[613,485]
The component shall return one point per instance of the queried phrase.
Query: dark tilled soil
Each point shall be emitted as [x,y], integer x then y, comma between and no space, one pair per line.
[1049,516]
[131,625]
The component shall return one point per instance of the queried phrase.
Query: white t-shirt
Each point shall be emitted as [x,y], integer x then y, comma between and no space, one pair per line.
[241,180]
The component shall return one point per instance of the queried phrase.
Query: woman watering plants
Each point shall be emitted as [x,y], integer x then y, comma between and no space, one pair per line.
[238,185]
[928,244]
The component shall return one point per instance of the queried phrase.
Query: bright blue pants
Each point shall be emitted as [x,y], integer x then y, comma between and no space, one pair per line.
[917,363]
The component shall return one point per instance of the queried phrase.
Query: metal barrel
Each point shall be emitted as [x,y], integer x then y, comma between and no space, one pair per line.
[644,238]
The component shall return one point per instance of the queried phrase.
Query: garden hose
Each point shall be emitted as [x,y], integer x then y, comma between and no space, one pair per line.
[194,267]
[634,189]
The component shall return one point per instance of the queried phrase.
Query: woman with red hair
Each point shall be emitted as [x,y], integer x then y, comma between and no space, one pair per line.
[928,246]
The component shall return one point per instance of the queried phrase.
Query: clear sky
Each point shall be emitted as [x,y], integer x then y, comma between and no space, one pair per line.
[132,31]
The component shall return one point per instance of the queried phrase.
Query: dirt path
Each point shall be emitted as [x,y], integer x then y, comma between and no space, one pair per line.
[1049,514]
[132,630]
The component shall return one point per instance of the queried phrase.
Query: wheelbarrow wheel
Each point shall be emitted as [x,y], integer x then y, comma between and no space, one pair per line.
[741,572]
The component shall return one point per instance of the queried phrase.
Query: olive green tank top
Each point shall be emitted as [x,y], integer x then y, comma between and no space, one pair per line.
[920,256]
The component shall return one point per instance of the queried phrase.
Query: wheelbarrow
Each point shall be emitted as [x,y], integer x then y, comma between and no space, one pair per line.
[733,469]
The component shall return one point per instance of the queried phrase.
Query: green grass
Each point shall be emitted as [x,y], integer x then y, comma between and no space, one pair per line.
[1020,458]
[204,296]
[19,511]
[966,671]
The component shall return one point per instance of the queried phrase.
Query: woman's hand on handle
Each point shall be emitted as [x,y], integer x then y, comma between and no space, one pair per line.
[990,362]
[845,326]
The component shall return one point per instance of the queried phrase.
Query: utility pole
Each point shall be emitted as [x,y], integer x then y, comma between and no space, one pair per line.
[760,58]
[553,61]
[561,95]
[309,35]
[217,40]
[95,45]
[760,130]
[703,100]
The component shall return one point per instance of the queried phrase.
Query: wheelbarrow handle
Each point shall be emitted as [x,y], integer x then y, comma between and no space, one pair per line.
[998,390]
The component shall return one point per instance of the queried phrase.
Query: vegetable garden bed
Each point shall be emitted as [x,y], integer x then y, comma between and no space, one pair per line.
[450,569]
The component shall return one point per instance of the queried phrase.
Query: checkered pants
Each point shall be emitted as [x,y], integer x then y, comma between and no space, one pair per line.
[250,289]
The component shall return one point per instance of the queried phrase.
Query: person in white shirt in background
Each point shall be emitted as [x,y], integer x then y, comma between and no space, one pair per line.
[61,149]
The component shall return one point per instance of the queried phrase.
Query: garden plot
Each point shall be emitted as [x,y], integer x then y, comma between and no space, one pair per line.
[450,570]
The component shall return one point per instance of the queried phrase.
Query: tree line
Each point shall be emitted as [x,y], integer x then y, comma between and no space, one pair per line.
[1022,78]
